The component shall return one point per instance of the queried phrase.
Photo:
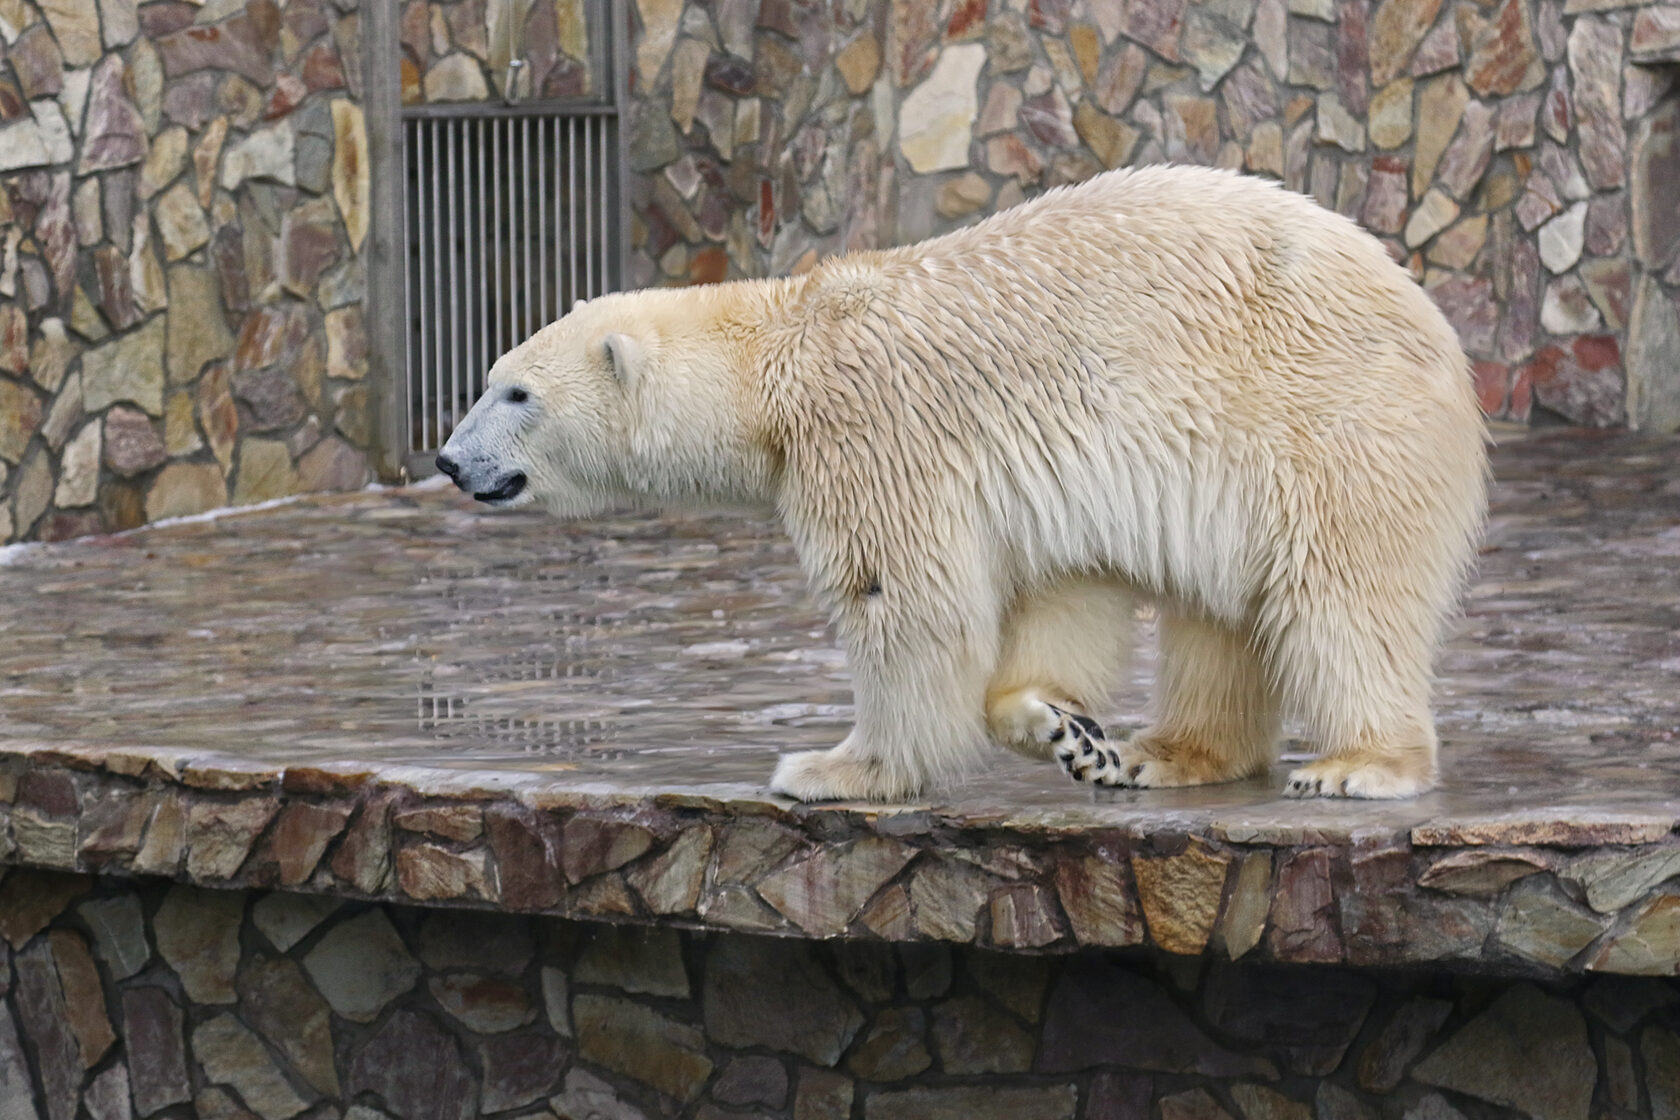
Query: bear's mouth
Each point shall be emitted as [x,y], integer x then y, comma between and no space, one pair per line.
[507,490]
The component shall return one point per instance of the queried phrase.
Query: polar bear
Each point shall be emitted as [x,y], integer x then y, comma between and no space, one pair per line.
[1170,382]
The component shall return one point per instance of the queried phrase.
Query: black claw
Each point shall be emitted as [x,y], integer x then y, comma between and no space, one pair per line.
[1114,759]
[1133,773]
[1056,735]
[1085,749]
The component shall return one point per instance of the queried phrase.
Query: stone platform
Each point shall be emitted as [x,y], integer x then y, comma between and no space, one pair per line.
[395,695]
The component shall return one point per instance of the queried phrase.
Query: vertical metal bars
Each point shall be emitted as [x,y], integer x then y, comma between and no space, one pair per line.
[512,218]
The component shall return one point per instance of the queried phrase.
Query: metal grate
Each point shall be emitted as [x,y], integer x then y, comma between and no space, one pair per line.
[512,218]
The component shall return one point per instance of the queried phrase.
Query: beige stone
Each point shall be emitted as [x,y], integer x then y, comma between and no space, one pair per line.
[128,368]
[1458,246]
[456,77]
[688,71]
[75,24]
[78,470]
[1433,214]
[208,151]
[937,118]
[180,429]
[859,62]
[350,174]
[1440,105]
[197,333]
[963,196]
[1650,945]
[660,19]
[1390,114]
[197,933]
[265,472]
[231,1054]
[361,965]
[1180,895]
[165,159]
[1110,140]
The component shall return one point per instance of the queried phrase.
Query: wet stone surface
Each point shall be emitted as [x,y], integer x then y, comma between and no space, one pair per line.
[396,695]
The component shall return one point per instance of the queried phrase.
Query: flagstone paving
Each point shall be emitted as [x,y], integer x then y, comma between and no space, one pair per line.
[395,693]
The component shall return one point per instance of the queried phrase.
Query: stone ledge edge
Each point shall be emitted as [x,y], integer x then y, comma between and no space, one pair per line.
[1521,894]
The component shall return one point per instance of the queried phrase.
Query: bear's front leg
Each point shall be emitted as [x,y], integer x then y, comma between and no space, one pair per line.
[920,695]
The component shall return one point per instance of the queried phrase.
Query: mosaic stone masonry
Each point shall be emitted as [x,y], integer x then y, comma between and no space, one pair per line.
[183,210]
[461,50]
[171,1001]
[1517,155]
[417,702]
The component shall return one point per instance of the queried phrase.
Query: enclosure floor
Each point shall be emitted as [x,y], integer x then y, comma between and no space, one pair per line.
[640,655]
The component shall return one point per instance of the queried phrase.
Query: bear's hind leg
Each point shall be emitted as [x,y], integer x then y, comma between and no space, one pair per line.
[1364,695]
[1063,649]
[1217,714]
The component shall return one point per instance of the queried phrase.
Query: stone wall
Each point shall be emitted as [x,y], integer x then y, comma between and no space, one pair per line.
[460,50]
[1517,155]
[183,209]
[122,999]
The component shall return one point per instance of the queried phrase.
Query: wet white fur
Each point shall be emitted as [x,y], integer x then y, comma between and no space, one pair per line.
[1174,382]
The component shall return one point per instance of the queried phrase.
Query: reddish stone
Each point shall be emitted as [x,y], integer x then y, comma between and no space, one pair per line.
[301,835]
[730,74]
[1555,111]
[1522,395]
[30,899]
[36,61]
[113,135]
[363,858]
[1303,910]
[1157,26]
[416,1069]
[322,69]
[276,999]
[267,334]
[236,44]
[1492,380]
[566,78]
[1353,55]
[132,445]
[1595,63]
[288,92]
[1503,55]
[526,846]
[1050,119]
[591,845]
[709,266]
[332,464]
[766,211]
[227,250]
[45,1020]
[1385,195]
[157,1055]
[116,291]
[1468,304]
[111,824]
[910,34]
[1050,16]
[1607,224]
[84,995]
[272,396]
[166,17]
[519,1068]
[965,17]
[1583,384]
[52,792]
[12,104]
[305,19]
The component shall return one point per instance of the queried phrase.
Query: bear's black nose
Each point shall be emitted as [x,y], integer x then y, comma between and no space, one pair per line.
[449,466]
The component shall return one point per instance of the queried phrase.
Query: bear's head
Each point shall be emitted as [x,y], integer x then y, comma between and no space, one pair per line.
[633,399]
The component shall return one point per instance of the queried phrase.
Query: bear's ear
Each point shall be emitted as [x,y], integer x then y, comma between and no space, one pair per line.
[625,356]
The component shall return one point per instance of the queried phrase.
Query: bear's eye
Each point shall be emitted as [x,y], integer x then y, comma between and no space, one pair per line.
[517,396]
